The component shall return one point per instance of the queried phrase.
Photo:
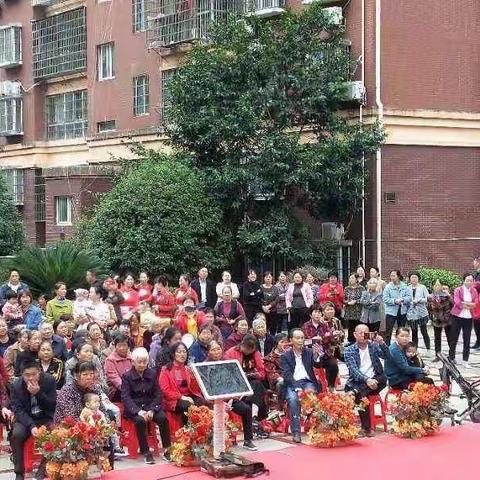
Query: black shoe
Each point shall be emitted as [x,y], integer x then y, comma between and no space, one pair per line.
[41,473]
[249,445]
[297,438]
[149,459]
[119,452]
[166,456]
[435,360]
[19,476]
[449,411]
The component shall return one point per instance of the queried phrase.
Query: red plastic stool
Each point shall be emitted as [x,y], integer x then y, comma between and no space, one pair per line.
[174,422]
[322,379]
[374,418]
[29,454]
[130,437]
[392,391]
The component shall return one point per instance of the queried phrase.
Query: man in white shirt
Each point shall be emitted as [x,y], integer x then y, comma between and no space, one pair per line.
[298,375]
[205,289]
[366,376]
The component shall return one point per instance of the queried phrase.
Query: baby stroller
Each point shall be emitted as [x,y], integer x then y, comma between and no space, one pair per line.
[470,391]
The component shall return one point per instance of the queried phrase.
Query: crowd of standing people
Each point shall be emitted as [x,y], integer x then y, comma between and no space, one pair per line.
[127,343]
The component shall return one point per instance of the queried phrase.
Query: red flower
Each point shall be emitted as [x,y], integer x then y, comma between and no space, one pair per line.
[69,421]
[86,446]
[49,446]
[96,416]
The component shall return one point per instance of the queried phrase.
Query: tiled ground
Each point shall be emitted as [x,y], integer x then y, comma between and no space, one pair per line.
[278,441]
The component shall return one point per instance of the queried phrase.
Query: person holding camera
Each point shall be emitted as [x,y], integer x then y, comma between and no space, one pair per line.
[366,376]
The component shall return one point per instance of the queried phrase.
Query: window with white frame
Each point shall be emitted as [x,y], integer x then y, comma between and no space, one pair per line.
[141,95]
[67,115]
[105,66]
[11,120]
[63,210]
[138,16]
[14,180]
[10,46]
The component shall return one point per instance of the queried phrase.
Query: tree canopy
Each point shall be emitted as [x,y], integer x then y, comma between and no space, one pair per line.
[12,236]
[158,217]
[258,109]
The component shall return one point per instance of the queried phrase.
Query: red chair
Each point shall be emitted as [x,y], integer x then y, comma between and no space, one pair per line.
[392,391]
[174,422]
[377,419]
[129,437]
[30,455]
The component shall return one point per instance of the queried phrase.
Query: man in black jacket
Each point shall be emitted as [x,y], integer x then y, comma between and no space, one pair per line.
[298,376]
[141,398]
[34,397]
[205,289]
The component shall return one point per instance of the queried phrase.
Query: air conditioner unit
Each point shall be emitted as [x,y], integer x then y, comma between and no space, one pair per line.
[332,231]
[355,91]
[335,14]
[10,89]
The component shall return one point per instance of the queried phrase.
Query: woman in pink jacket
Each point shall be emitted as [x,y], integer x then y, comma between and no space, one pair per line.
[298,300]
[465,300]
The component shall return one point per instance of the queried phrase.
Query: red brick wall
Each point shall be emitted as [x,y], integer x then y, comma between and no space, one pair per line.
[430,55]
[438,203]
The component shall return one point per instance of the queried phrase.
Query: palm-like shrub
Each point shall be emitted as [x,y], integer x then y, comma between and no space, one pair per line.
[65,262]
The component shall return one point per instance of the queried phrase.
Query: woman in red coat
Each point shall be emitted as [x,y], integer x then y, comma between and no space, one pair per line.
[144,288]
[332,291]
[130,296]
[163,301]
[178,385]
[185,290]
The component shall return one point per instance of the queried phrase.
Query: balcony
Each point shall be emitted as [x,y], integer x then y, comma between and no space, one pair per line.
[265,8]
[11,116]
[173,22]
[10,46]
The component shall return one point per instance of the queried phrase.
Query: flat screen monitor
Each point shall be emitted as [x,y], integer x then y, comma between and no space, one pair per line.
[222,380]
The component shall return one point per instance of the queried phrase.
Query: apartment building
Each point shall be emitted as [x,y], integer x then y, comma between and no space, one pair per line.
[80,80]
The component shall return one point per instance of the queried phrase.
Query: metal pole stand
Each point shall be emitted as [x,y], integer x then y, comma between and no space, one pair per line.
[218,428]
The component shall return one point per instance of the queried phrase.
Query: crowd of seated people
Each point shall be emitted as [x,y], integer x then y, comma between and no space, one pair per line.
[124,347]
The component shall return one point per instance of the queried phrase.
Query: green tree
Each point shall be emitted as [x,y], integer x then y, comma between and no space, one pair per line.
[244,104]
[12,235]
[158,217]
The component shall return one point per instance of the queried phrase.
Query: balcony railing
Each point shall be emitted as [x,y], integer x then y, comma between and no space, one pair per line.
[172,22]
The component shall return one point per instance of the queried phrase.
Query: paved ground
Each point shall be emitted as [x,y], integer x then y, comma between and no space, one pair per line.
[278,441]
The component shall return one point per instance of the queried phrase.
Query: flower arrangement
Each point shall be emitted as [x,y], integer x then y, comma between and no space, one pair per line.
[331,418]
[71,447]
[195,440]
[419,410]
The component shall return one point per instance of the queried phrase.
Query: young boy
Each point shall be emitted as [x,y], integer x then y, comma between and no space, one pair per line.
[91,409]
[412,357]
[12,311]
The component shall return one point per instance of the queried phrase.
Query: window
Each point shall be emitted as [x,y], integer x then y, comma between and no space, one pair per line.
[67,115]
[10,46]
[60,44]
[138,16]
[14,180]
[11,120]
[166,100]
[63,210]
[105,61]
[106,126]
[141,95]
[39,196]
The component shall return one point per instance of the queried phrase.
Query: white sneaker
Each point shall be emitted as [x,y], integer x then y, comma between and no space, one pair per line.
[466,364]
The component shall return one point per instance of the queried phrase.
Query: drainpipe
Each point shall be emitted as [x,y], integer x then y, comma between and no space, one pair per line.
[378,101]
[361,123]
